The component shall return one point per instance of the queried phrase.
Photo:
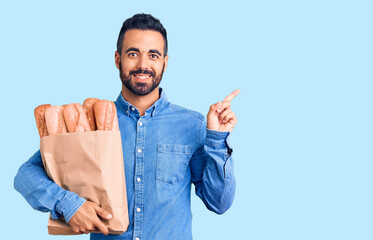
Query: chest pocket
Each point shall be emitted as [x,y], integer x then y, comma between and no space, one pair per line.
[172,161]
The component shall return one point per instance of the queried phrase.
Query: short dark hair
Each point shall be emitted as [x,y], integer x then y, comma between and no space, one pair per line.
[142,21]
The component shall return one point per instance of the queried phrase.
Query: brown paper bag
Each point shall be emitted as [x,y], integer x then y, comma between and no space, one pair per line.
[91,165]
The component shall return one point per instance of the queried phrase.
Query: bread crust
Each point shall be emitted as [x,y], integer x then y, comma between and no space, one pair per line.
[55,120]
[88,107]
[76,118]
[106,115]
[39,113]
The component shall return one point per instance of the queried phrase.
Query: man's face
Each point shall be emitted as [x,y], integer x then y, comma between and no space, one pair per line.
[142,62]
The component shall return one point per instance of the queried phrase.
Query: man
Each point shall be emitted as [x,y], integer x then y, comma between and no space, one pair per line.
[166,148]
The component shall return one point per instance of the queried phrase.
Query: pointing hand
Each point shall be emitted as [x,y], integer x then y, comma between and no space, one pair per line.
[220,116]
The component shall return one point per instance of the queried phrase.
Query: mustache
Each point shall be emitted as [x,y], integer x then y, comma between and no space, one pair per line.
[140,71]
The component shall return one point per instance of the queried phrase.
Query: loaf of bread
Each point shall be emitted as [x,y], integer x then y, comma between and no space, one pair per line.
[88,107]
[55,120]
[94,115]
[39,113]
[76,118]
[106,115]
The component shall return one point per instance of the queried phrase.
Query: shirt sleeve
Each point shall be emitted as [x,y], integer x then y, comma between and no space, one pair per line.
[212,170]
[42,193]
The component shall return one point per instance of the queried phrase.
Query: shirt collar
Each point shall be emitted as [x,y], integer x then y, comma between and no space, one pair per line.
[157,106]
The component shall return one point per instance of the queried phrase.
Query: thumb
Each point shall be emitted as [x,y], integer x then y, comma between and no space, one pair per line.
[215,107]
[103,213]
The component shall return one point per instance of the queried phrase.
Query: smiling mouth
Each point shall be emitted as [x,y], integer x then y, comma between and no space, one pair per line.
[142,77]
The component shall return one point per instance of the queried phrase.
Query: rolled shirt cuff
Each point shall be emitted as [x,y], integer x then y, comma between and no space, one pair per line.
[218,140]
[55,215]
[69,205]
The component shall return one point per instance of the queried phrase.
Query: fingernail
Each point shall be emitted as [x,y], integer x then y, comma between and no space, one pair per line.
[109,216]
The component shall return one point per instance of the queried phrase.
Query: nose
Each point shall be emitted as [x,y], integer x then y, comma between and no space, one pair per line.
[142,63]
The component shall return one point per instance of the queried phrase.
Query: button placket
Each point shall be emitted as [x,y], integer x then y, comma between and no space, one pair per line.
[139,173]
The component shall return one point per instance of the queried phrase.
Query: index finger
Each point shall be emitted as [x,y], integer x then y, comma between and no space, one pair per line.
[101,227]
[231,96]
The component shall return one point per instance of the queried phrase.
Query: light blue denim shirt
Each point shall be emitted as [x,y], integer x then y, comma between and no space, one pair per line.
[164,152]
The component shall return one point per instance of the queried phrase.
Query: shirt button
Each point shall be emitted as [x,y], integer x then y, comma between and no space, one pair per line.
[139,150]
[138,210]
[133,109]
[138,179]
[140,123]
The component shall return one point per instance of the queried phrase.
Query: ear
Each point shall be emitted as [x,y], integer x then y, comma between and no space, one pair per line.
[165,62]
[117,59]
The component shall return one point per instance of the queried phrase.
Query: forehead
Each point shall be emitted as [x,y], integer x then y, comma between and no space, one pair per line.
[143,40]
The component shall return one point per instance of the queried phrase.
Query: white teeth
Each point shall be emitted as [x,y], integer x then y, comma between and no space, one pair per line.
[142,77]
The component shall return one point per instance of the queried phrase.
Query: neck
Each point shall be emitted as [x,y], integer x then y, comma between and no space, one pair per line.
[140,102]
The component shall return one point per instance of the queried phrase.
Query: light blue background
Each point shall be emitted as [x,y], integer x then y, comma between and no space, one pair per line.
[303,143]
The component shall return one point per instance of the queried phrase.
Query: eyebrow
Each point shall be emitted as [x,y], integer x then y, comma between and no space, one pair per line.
[155,51]
[132,49]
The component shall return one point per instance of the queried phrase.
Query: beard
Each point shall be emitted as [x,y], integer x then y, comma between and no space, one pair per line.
[140,88]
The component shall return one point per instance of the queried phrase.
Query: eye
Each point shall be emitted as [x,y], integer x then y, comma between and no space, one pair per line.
[154,56]
[132,54]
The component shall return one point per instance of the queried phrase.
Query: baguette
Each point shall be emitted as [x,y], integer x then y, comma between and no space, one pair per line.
[106,115]
[39,113]
[54,120]
[76,118]
[88,107]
